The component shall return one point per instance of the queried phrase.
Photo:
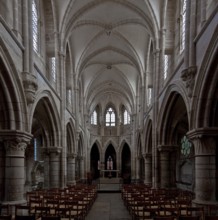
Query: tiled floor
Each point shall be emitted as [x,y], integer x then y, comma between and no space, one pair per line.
[108,206]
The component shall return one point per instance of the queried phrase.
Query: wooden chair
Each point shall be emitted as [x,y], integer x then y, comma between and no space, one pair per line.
[50,218]
[5,217]
[42,211]
[4,209]
[164,218]
[25,217]
[211,217]
[21,210]
[192,212]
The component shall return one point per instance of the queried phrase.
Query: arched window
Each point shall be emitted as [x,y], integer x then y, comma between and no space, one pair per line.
[149,96]
[53,68]
[110,117]
[35,25]
[182,24]
[94,118]
[69,97]
[126,117]
[166,65]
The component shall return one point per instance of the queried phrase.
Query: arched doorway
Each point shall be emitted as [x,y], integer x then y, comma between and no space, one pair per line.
[110,152]
[126,164]
[94,160]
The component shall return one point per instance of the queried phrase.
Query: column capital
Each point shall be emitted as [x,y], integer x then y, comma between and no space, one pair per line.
[71,155]
[15,141]
[30,86]
[49,150]
[167,148]
[188,76]
[147,155]
[204,140]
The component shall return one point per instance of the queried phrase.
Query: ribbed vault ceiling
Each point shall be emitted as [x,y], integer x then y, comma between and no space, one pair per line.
[108,42]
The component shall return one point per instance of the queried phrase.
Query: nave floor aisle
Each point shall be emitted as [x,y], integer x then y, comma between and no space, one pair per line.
[108,206]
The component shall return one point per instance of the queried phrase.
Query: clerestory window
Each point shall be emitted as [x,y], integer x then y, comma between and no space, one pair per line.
[94,118]
[35,26]
[110,117]
[183,24]
[126,117]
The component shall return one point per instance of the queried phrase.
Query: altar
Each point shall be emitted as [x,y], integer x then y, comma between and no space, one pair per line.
[103,172]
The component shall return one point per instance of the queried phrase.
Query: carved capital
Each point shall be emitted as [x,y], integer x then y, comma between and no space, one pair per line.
[188,76]
[71,156]
[30,86]
[15,142]
[55,150]
[204,140]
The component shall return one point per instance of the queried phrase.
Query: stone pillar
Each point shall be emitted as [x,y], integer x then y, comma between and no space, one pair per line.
[82,168]
[15,17]
[166,171]
[204,140]
[71,169]
[15,144]
[148,169]
[203,12]
[29,79]
[137,159]
[54,166]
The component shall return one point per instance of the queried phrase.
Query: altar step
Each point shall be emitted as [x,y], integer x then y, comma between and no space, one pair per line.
[109,185]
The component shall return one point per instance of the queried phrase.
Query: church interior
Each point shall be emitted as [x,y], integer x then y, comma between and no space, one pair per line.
[117,92]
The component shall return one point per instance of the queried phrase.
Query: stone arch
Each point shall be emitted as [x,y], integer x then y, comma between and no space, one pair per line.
[174,166]
[148,137]
[95,160]
[110,151]
[174,94]
[45,115]
[125,158]
[71,143]
[14,111]
[206,88]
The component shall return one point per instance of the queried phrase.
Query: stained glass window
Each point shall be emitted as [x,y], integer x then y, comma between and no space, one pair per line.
[185,147]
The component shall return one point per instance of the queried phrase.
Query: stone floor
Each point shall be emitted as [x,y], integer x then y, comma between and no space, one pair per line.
[108,206]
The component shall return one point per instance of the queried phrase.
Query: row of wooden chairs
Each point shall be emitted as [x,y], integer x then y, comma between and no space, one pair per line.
[73,202]
[143,202]
[9,217]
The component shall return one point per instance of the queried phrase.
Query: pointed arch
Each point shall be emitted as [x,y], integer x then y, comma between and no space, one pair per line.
[14,110]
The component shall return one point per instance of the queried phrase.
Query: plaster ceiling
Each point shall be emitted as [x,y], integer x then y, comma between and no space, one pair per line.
[109,41]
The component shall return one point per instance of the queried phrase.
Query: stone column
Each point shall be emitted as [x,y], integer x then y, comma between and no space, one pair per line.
[165,168]
[15,144]
[82,166]
[15,17]
[204,140]
[137,159]
[71,169]
[29,79]
[148,169]
[54,166]
[203,12]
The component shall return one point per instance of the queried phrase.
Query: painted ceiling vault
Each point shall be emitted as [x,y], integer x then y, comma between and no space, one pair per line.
[109,43]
